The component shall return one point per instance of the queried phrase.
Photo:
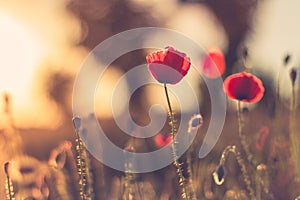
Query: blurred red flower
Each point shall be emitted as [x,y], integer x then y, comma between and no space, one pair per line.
[168,65]
[244,87]
[161,140]
[213,63]
[261,137]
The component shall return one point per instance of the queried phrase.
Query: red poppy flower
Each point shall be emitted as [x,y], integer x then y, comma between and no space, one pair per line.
[161,140]
[213,63]
[168,65]
[244,87]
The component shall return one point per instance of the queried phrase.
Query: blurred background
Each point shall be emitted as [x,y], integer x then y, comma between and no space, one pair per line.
[43,44]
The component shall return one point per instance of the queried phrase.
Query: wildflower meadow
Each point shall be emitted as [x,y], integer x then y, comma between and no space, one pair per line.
[136,100]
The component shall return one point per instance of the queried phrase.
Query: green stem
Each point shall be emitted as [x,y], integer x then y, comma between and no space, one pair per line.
[244,143]
[128,181]
[170,112]
[9,187]
[182,180]
[190,172]
[132,189]
[245,146]
[293,137]
[278,87]
[189,165]
[258,186]
[81,170]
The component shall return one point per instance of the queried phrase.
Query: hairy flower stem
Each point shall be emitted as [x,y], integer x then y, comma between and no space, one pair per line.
[132,190]
[241,163]
[189,158]
[249,155]
[8,186]
[190,173]
[83,169]
[182,180]
[258,186]
[244,143]
[278,88]
[128,183]
[295,147]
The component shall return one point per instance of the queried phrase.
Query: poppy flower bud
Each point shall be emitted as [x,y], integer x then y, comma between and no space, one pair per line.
[195,122]
[245,53]
[6,167]
[219,175]
[77,122]
[7,101]
[286,59]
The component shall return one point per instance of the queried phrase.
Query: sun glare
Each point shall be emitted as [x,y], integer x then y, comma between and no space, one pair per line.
[18,57]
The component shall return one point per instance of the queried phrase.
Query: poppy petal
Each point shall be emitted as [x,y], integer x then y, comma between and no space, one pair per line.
[213,64]
[168,65]
[244,87]
[161,140]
